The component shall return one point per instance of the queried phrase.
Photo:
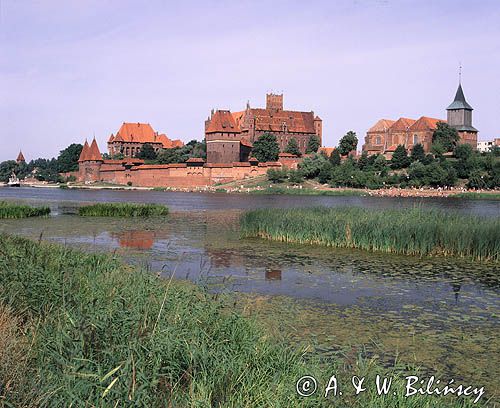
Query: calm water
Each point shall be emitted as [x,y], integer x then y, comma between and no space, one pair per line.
[435,312]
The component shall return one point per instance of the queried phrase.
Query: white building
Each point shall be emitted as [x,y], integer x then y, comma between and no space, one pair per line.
[483,146]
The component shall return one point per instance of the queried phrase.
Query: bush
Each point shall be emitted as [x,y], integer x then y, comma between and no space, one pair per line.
[277,175]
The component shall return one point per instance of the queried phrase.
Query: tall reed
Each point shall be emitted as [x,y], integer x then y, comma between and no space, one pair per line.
[11,210]
[100,334]
[122,210]
[411,232]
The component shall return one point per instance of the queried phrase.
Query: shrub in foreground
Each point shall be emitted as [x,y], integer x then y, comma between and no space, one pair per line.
[122,210]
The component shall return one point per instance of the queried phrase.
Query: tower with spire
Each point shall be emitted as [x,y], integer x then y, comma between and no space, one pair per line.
[459,116]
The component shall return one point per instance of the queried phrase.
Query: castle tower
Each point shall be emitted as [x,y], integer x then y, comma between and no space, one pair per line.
[459,116]
[89,163]
[274,102]
[20,158]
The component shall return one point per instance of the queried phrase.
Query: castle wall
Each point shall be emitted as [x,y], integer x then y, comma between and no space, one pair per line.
[174,175]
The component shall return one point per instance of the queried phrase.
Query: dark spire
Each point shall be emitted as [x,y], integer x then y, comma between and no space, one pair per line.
[459,102]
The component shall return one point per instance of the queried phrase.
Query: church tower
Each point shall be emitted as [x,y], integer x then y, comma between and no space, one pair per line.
[459,116]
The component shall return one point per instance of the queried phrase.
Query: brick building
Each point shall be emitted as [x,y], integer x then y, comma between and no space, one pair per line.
[132,136]
[230,136]
[386,134]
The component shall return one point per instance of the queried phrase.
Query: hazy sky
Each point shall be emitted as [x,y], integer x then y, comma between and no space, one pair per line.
[69,69]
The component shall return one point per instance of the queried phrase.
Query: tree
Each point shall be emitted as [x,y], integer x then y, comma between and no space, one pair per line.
[68,158]
[311,166]
[446,136]
[6,169]
[147,152]
[363,160]
[312,144]
[169,156]
[417,153]
[277,176]
[400,158]
[293,147]
[380,163]
[348,143]
[266,148]
[463,152]
[335,157]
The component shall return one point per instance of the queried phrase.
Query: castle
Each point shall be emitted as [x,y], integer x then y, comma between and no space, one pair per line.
[386,134]
[230,136]
[131,137]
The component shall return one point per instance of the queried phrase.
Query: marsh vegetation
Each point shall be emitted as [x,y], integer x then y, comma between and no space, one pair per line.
[122,210]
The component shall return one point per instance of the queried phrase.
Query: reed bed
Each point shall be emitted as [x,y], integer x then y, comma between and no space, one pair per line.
[90,331]
[122,210]
[410,232]
[478,196]
[11,210]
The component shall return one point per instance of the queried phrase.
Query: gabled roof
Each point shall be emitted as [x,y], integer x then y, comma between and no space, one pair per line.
[425,123]
[272,120]
[143,133]
[459,102]
[20,157]
[84,152]
[326,150]
[382,125]
[245,142]
[111,138]
[222,122]
[93,152]
[402,124]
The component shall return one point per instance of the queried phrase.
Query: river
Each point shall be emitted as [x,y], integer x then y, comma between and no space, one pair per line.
[438,313]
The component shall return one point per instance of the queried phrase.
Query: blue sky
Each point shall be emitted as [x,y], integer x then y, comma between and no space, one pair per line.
[72,69]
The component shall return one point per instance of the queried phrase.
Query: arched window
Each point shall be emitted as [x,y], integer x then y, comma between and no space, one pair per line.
[415,139]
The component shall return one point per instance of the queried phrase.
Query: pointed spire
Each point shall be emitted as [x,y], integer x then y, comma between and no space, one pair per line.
[84,153]
[93,152]
[459,102]
[20,157]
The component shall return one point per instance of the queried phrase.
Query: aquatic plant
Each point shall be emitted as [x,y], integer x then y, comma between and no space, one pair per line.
[94,332]
[478,196]
[308,191]
[11,210]
[122,210]
[411,232]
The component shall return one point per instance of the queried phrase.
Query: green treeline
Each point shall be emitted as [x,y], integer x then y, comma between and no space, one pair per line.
[410,232]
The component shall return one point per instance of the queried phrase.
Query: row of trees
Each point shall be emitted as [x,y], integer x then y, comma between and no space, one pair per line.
[44,169]
[448,163]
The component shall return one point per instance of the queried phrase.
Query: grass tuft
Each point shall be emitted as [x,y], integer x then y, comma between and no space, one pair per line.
[411,232]
[122,210]
[11,210]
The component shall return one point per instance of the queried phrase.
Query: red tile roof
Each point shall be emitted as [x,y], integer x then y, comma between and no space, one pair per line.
[143,133]
[245,142]
[286,155]
[20,157]
[222,122]
[271,120]
[402,124]
[425,123]
[84,152]
[93,152]
[111,138]
[326,150]
[382,125]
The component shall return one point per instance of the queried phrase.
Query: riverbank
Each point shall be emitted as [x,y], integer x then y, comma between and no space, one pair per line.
[262,186]
[104,334]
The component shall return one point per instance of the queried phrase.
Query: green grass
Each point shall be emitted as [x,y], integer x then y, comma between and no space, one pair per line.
[11,210]
[122,210]
[89,331]
[308,191]
[478,196]
[411,232]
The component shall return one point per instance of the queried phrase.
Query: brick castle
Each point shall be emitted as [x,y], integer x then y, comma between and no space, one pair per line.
[387,134]
[230,136]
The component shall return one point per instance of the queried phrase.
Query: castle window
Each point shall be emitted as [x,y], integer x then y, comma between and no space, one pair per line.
[378,140]
[415,139]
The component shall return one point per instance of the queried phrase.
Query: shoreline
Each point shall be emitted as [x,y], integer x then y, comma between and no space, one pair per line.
[294,190]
